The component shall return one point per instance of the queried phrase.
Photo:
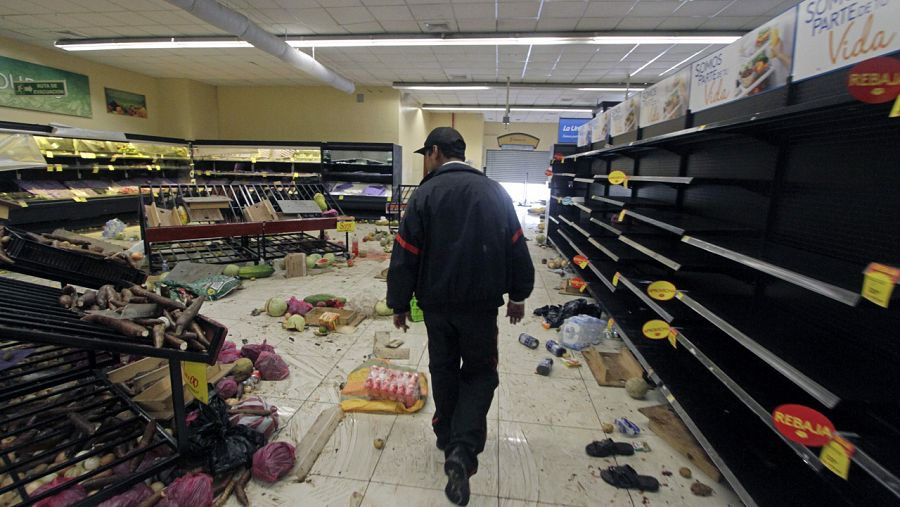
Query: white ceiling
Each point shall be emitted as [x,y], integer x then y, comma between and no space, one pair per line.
[41,22]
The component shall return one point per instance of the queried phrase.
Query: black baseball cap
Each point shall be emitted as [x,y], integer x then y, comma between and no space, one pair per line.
[447,139]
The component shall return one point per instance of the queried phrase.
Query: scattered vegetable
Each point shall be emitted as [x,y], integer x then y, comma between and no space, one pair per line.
[231,270]
[295,322]
[276,307]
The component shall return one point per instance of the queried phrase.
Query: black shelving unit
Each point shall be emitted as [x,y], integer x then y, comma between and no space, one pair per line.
[229,161]
[362,176]
[750,211]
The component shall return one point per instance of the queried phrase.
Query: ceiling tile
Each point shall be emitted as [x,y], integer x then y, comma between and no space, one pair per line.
[350,15]
[556,24]
[401,26]
[566,9]
[709,8]
[598,23]
[655,8]
[474,11]
[432,11]
[391,13]
[477,25]
[608,9]
[724,23]
[681,23]
[516,25]
[519,9]
[639,23]
[368,27]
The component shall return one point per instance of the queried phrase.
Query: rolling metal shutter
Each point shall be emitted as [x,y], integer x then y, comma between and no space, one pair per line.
[517,166]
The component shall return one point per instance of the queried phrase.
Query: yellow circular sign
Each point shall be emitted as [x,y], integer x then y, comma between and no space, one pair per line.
[617,177]
[656,329]
[661,290]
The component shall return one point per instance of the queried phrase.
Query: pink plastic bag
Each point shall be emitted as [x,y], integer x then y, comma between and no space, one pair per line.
[298,306]
[273,461]
[227,387]
[133,496]
[229,353]
[193,490]
[265,424]
[253,350]
[271,366]
[74,494]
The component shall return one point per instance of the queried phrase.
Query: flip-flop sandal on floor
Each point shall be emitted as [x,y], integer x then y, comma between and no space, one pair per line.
[604,448]
[625,477]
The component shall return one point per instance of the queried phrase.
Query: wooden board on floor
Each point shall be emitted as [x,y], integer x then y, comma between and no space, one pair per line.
[668,426]
[381,349]
[311,445]
[612,369]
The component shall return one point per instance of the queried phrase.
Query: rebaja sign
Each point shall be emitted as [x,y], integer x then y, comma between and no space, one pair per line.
[757,62]
[568,129]
[835,33]
[803,425]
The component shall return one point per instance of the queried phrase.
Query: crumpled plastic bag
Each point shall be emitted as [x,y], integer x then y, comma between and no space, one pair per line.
[273,461]
[265,424]
[192,490]
[133,496]
[229,353]
[271,366]
[298,306]
[224,447]
[227,387]
[581,331]
[252,350]
[213,286]
[555,315]
[64,498]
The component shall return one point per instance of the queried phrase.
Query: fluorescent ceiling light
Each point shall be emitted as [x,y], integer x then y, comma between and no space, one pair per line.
[621,89]
[488,85]
[509,41]
[515,109]
[442,88]
[170,43]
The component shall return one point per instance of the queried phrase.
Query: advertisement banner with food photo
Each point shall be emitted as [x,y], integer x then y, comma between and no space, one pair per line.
[126,103]
[831,35]
[584,134]
[600,127]
[666,100]
[758,62]
[624,117]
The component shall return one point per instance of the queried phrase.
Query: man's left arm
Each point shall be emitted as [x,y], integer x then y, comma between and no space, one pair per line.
[405,258]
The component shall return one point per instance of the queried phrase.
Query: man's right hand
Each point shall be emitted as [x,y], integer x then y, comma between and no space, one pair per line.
[515,312]
[400,321]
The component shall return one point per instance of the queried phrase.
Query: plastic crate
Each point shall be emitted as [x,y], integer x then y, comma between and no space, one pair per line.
[45,261]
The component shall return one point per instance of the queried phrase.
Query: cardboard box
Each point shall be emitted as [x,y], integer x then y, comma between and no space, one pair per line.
[157,398]
[348,320]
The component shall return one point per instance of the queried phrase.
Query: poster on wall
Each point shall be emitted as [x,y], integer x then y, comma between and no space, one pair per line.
[666,100]
[600,127]
[624,117]
[125,103]
[26,85]
[757,62]
[831,35]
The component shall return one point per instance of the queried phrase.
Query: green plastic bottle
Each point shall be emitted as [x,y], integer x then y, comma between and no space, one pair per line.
[415,313]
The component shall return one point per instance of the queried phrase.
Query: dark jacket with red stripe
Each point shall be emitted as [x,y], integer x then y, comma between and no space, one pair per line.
[460,246]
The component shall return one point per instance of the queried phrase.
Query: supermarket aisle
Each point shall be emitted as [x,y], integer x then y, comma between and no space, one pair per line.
[538,426]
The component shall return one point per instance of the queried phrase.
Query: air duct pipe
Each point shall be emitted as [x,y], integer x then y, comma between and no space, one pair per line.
[237,24]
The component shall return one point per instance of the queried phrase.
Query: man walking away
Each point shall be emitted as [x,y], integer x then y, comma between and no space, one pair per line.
[459,250]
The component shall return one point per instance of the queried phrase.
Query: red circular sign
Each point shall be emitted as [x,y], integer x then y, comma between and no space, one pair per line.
[803,425]
[876,80]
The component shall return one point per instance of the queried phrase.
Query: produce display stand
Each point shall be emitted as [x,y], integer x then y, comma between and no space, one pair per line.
[359,166]
[66,266]
[253,222]
[399,199]
[747,210]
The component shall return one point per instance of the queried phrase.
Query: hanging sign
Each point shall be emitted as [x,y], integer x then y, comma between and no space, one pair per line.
[195,380]
[600,127]
[803,425]
[878,283]
[26,85]
[875,81]
[757,62]
[666,100]
[836,456]
[518,139]
[623,118]
[656,329]
[568,129]
[584,134]
[831,34]
[661,290]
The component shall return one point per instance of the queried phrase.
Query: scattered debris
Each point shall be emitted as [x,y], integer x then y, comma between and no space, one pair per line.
[636,387]
[378,443]
[685,472]
[667,473]
[608,427]
[700,489]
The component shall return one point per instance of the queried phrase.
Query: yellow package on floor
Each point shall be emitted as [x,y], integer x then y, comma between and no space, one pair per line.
[355,397]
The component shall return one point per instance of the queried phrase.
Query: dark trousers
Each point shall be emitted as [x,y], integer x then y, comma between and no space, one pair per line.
[462,394]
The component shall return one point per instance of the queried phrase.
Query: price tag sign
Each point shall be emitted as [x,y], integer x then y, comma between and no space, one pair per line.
[661,290]
[673,337]
[48,154]
[195,379]
[344,225]
[615,280]
[581,261]
[87,155]
[95,169]
[111,167]
[621,216]
[617,177]
[895,111]
[340,198]
[836,456]
[79,199]
[49,168]
[656,329]
[609,324]
[207,172]
[878,283]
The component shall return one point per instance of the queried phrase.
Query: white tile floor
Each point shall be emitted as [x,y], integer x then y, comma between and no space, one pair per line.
[538,426]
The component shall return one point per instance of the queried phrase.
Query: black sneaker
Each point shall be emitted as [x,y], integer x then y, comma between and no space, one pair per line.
[457,489]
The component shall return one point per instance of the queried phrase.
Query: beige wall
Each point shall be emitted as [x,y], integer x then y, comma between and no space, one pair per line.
[546,132]
[100,76]
[469,125]
[411,135]
[308,113]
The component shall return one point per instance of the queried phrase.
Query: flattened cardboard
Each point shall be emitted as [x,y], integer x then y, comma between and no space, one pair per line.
[347,323]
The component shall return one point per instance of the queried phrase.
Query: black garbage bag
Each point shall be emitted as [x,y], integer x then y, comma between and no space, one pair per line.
[223,446]
[555,315]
